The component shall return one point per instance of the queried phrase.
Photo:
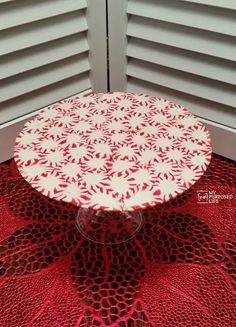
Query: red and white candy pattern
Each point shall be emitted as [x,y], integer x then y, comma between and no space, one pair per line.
[113,151]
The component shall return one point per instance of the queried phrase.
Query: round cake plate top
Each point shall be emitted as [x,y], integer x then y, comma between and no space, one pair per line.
[113,151]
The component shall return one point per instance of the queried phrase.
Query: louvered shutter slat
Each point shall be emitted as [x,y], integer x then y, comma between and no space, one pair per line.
[229,4]
[49,74]
[43,54]
[191,15]
[31,34]
[215,91]
[22,105]
[26,13]
[187,61]
[214,44]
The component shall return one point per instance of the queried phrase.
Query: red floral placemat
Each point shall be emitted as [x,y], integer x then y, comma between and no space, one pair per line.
[179,271]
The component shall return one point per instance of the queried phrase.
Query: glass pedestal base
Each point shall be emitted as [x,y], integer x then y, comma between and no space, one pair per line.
[108,227]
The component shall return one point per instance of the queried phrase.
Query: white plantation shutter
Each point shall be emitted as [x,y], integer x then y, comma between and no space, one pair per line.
[48,51]
[184,51]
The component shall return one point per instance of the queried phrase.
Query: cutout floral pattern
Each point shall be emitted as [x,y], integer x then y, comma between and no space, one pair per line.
[179,270]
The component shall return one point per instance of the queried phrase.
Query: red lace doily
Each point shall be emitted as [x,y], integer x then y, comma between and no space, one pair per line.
[178,272]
